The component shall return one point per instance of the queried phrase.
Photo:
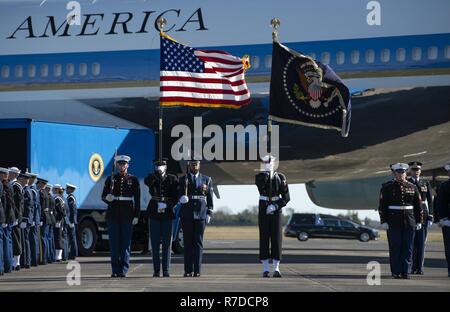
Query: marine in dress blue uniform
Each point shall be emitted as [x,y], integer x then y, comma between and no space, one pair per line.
[443,207]
[274,195]
[36,222]
[27,219]
[45,220]
[163,188]
[10,218]
[72,221]
[420,237]
[18,211]
[401,213]
[196,196]
[122,194]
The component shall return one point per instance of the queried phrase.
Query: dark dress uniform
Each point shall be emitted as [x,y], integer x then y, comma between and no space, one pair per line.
[400,206]
[35,227]
[193,215]
[60,215]
[420,236]
[27,218]
[270,226]
[2,222]
[52,246]
[163,189]
[46,223]
[71,231]
[387,232]
[119,217]
[10,218]
[443,206]
[18,205]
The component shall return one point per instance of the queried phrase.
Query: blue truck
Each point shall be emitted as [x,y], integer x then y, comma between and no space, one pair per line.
[82,155]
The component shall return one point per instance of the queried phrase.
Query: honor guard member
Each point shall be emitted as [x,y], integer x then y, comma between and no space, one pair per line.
[424,187]
[401,213]
[443,206]
[71,227]
[196,196]
[51,231]
[35,224]
[163,188]
[274,195]
[60,215]
[27,219]
[2,226]
[385,226]
[9,207]
[123,196]
[45,219]
[18,205]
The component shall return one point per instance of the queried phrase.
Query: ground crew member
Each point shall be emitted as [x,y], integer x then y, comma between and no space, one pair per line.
[274,195]
[420,237]
[163,188]
[122,194]
[443,206]
[72,218]
[196,196]
[401,213]
[8,205]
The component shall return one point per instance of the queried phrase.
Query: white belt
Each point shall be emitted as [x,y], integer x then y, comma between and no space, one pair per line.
[401,207]
[424,202]
[198,197]
[46,209]
[267,198]
[122,198]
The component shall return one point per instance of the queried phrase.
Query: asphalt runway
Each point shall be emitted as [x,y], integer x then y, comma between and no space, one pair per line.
[317,265]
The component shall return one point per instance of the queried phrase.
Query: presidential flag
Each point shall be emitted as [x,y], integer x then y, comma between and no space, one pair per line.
[201,78]
[306,92]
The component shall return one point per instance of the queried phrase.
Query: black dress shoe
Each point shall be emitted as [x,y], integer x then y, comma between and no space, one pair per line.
[187,275]
[276,274]
[419,272]
[123,275]
[17,268]
[405,276]
[156,274]
[266,274]
[396,276]
[196,274]
[166,274]
[114,275]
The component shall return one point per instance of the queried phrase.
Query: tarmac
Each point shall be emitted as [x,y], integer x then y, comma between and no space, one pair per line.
[318,265]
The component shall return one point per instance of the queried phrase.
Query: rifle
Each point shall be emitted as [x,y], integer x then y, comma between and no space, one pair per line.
[113,170]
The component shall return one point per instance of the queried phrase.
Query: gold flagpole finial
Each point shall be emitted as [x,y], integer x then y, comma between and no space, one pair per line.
[162,22]
[275,22]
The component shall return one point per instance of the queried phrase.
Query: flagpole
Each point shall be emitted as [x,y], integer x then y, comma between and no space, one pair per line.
[161,23]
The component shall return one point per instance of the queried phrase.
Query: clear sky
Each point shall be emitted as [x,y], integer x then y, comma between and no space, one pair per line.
[239,197]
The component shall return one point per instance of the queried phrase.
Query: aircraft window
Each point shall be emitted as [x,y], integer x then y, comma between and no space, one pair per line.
[57,69]
[370,56]
[432,53]
[312,55]
[5,71]
[340,58]
[31,71]
[355,57]
[70,69]
[385,55]
[447,52]
[44,70]
[18,71]
[401,55]
[326,58]
[255,62]
[268,61]
[416,54]
[96,69]
[83,69]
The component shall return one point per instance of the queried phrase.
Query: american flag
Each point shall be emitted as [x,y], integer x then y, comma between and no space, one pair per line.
[201,78]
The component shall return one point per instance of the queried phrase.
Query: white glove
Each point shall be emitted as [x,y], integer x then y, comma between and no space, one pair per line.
[270,209]
[418,226]
[429,223]
[71,225]
[23,225]
[41,223]
[4,225]
[33,223]
[208,219]
[15,223]
[135,221]
[162,205]
[385,226]
[109,198]
[58,225]
[184,199]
